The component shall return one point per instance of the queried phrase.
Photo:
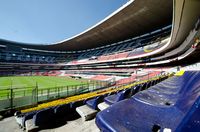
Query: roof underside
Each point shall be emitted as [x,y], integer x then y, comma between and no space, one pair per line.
[139,17]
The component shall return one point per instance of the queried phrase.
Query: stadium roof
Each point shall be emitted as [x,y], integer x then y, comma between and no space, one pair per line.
[135,18]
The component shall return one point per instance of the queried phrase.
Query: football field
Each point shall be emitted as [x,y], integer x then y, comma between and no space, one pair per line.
[41,81]
[17,91]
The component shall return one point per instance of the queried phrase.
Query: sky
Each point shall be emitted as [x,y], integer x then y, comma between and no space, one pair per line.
[51,21]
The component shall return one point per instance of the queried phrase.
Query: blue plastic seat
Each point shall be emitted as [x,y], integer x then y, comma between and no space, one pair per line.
[73,113]
[148,84]
[165,93]
[44,117]
[143,86]
[132,115]
[153,82]
[191,120]
[135,89]
[62,110]
[75,104]
[92,103]
[27,116]
[146,110]
[117,97]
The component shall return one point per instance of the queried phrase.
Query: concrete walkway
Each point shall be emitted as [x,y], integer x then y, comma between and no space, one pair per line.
[76,126]
[10,125]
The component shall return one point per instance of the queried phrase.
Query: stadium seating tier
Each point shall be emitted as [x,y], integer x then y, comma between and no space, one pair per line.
[144,113]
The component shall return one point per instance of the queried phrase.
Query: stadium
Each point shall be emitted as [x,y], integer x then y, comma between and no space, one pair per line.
[136,70]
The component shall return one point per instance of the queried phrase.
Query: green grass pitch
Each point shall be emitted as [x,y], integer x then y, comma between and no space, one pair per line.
[24,89]
[41,81]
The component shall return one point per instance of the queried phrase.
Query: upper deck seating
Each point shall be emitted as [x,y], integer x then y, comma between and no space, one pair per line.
[101,77]
[165,105]
[121,55]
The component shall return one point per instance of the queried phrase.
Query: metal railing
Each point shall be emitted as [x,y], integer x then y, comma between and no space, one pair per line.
[11,98]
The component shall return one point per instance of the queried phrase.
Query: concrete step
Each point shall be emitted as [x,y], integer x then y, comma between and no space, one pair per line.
[103,106]
[30,127]
[86,112]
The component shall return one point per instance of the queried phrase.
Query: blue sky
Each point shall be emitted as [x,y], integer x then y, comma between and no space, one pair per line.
[50,21]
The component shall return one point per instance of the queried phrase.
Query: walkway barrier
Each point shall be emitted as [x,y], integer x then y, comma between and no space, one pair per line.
[11,98]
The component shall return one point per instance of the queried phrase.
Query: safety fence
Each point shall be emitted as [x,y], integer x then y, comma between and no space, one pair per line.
[11,98]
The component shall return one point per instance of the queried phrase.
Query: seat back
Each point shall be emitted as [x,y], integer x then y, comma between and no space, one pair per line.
[75,104]
[100,99]
[189,81]
[44,117]
[143,86]
[28,116]
[123,94]
[62,110]
[191,121]
[127,93]
[190,91]
[154,82]
[136,89]
[149,84]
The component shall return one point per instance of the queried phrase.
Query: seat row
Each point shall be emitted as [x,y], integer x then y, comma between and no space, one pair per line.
[51,116]
[172,105]
[92,106]
[48,116]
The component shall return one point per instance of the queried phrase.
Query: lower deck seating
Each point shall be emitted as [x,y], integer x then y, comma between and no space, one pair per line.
[191,121]
[62,111]
[44,117]
[68,112]
[165,105]
[22,118]
[94,102]
[75,104]
[49,116]
[112,99]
